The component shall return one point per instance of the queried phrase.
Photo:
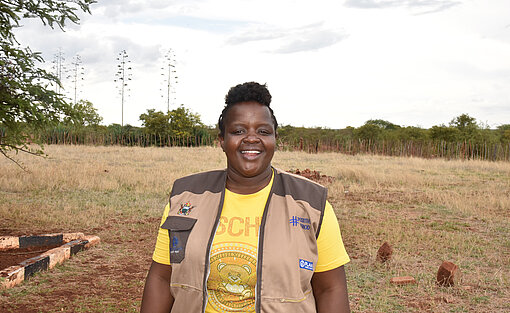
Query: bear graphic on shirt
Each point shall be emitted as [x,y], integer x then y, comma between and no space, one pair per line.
[235,279]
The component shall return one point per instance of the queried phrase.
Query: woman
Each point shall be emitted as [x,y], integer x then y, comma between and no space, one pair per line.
[250,238]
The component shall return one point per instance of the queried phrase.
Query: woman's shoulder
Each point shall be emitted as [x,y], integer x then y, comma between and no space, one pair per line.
[300,188]
[213,181]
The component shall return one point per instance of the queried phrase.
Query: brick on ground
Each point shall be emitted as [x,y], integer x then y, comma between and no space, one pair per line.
[447,273]
[403,280]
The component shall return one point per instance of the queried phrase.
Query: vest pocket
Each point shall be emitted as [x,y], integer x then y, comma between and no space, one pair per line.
[179,228]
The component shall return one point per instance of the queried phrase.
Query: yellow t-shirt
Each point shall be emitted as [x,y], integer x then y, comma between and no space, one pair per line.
[233,257]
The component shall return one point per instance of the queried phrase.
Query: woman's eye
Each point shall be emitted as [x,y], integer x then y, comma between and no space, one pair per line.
[264,132]
[237,131]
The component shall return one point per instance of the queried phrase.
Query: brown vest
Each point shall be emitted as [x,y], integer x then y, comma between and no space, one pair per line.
[287,248]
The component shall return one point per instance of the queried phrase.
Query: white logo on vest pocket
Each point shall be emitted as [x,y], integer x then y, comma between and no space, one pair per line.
[307,265]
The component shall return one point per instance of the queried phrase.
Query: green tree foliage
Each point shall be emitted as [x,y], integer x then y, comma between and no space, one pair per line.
[376,129]
[462,128]
[504,133]
[382,124]
[463,121]
[368,132]
[26,102]
[301,135]
[156,122]
[84,115]
[468,128]
[183,122]
[180,122]
[444,133]
[412,133]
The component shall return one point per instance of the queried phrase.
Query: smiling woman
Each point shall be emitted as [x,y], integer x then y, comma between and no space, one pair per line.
[249,141]
[250,238]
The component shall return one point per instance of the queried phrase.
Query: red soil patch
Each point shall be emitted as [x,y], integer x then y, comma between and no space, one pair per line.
[15,256]
[313,175]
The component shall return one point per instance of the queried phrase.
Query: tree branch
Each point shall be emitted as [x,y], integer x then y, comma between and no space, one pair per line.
[24,168]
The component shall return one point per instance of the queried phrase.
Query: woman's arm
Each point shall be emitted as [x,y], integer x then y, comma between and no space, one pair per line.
[330,291]
[156,294]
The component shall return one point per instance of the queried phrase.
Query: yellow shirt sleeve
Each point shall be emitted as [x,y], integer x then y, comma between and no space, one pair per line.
[331,249]
[162,251]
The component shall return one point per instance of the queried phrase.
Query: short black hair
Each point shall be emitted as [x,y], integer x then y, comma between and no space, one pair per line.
[250,91]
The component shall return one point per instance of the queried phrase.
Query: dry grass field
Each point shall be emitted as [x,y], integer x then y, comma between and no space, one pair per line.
[428,210]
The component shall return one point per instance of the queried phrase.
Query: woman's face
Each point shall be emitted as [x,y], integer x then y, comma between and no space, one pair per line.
[249,140]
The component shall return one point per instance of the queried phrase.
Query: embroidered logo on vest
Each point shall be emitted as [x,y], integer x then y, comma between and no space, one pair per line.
[175,246]
[185,209]
[307,265]
[300,221]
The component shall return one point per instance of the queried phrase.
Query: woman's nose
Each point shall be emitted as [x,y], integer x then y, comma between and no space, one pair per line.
[251,137]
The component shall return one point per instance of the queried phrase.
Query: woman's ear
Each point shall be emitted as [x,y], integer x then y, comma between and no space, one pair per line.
[222,142]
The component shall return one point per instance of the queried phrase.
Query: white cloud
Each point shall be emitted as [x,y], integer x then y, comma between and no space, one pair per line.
[327,63]
[290,40]
[428,5]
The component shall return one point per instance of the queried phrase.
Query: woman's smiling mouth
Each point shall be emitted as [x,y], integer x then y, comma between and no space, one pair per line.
[250,154]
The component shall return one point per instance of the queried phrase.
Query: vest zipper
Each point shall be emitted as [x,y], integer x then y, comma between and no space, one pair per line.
[207,269]
[258,285]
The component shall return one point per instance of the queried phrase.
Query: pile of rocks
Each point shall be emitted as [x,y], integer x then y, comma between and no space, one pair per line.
[313,175]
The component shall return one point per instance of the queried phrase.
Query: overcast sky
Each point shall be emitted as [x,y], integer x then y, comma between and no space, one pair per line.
[326,63]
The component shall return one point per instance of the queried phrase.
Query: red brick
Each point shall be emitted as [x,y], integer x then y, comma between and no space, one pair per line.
[403,280]
[446,274]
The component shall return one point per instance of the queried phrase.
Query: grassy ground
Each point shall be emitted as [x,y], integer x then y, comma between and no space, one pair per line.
[428,210]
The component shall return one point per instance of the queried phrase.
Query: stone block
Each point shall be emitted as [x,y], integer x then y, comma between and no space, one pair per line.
[11,276]
[68,237]
[57,255]
[92,241]
[8,243]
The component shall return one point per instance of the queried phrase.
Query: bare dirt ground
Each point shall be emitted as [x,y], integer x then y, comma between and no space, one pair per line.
[13,257]
[106,278]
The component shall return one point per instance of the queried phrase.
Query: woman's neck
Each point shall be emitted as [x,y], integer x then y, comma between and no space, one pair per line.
[248,185]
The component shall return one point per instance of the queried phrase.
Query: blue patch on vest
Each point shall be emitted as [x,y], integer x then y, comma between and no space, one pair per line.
[304,223]
[307,265]
[175,248]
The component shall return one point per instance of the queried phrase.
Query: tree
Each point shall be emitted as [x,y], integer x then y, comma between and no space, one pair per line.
[183,122]
[26,102]
[468,129]
[504,133]
[442,132]
[368,132]
[416,134]
[180,122]
[84,114]
[156,122]
[382,124]
[463,121]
